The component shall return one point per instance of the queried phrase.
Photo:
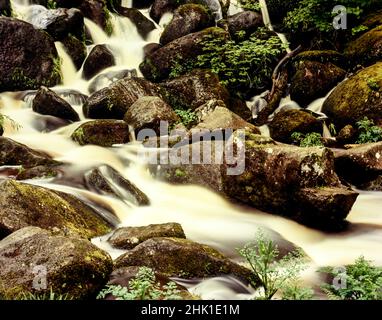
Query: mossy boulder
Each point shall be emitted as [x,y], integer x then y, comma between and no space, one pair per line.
[289,121]
[47,102]
[175,257]
[246,21]
[76,49]
[13,153]
[367,49]
[5,8]
[322,56]
[113,102]
[356,98]
[38,172]
[148,112]
[144,25]
[28,57]
[106,180]
[99,58]
[130,237]
[187,19]
[33,261]
[314,80]
[103,133]
[23,205]
[159,64]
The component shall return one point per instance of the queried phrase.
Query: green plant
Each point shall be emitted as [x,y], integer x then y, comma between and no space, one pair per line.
[188,117]
[373,84]
[296,292]
[142,287]
[368,132]
[51,4]
[249,4]
[272,273]
[361,281]
[312,139]
[45,296]
[358,29]
[332,129]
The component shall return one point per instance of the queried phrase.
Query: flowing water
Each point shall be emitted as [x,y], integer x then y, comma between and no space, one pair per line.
[205,216]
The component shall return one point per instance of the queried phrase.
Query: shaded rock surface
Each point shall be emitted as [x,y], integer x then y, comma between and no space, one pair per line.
[76,49]
[130,237]
[99,58]
[247,21]
[77,267]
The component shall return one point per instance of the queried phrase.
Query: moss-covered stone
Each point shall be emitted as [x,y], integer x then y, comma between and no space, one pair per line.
[287,122]
[23,205]
[33,261]
[175,257]
[356,98]
[103,133]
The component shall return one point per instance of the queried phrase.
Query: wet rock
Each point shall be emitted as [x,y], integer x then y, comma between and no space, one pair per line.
[103,133]
[130,237]
[114,101]
[356,98]
[76,49]
[123,276]
[361,164]
[13,153]
[150,48]
[107,78]
[96,10]
[287,122]
[313,80]
[143,24]
[187,19]
[107,180]
[61,22]
[247,21]
[148,112]
[5,8]
[322,56]
[99,58]
[23,205]
[346,135]
[37,172]
[28,57]
[158,65]
[194,89]
[367,49]
[48,102]
[183,258]
[73,266]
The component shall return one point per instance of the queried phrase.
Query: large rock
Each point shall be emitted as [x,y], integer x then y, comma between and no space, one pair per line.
[99,58]
[103,133]
[47,102]
[28,57]
[23,205]
[356,98]
[367,49]
[76,49]
[247,21]
[313,80]
[107,180]
[33,261]
[158,65]
[60,22]
[289,121]
[13,153]
[183,258]
[144,25]
[148,112]
[187,19]
[130,237]
[194,89]
[114,101]
[107,78]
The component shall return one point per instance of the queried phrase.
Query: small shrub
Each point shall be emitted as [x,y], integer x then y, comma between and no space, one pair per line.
[45,296]
[368,132]
[188,117]
[296,292]
[312,139]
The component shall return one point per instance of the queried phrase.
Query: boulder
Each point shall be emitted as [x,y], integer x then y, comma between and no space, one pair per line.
[247,21]
[33,261]
[76,49]
[367,49]
[107,78]
[114,101]
[47,102]
[183,258]
[313,80]
[37,172]
[23,205]
[103,133]
[60,23]
[187,19]
[143,24]
[96,10]
[322,56]
[13,153]
[158,65]
[99,58]
[356,98]
[148,112]
[106,180]
[289,121]
[28,57]
[130,237]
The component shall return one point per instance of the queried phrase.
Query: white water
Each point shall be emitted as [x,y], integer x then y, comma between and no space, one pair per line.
[205,216]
